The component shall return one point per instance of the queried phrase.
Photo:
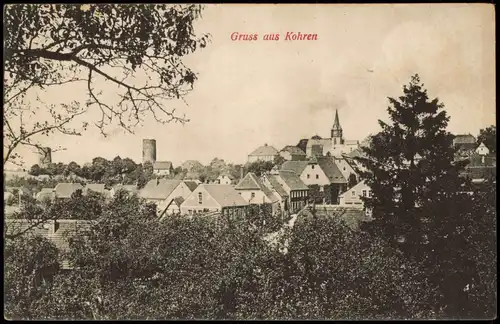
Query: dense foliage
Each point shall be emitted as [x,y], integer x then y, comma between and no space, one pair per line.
[130,265]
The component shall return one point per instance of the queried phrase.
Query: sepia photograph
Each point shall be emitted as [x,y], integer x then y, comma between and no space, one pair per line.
[249,162]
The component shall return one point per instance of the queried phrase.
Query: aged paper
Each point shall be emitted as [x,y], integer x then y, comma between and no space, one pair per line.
[210,110]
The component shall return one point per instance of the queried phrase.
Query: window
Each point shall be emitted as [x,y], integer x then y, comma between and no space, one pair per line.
[312,166]
[308,176]
[253,195]
[364,193]
[353,193]
[369,193]
[200,198]
[317,176]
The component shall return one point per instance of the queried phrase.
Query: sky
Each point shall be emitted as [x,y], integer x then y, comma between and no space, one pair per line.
[251,93]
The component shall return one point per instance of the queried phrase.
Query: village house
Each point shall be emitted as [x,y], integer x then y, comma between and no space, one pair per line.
[162,168]
[46,194]
[290,189]
[353,195]
[263,153]
[482,150]
[214,198]
[96,187]
[464,142]
[346,167]
[56,231]
[320,171]
[482,166]
[66,190]
[163,193]
[253,190]
[225,179]
[292,153]
[131,189]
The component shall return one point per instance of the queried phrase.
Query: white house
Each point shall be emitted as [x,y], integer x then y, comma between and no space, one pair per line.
[163,168]
[482,149]
[165,193]
[224,179]
[213,198]
[353,195]
[263,153]
[254,191]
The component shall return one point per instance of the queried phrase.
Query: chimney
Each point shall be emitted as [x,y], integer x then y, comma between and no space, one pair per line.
[241,173]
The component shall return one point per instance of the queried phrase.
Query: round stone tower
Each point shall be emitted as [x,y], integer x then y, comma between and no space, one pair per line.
[45,156]
[148,150]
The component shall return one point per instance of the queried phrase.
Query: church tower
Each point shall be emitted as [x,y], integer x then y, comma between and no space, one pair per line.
[336,133]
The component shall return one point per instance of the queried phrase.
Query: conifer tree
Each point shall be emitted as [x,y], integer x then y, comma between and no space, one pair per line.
[410,167]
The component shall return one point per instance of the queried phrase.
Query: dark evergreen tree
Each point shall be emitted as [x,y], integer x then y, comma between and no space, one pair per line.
[410,166]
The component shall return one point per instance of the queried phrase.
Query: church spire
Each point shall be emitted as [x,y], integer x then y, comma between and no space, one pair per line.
[336,124]
[337,130]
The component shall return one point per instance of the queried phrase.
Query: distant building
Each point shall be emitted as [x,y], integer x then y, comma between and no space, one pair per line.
[292,191]
[96,187]
[263,153]
[353,195]
[59,232]
[481,168]
[464,142]
[225,179]
[292,153]
[163,168]
[482,150]
[214,198]
[164,193]
[320,171]
[336,145]
[131,189]
[148,150]
[254,191]
[65,190]
[46,194]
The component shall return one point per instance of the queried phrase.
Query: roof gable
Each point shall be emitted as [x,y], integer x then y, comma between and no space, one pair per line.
[224,195]
[331,170]
[296,166]
[191,185]
[65,190]
[97,187]
[249,182]
[265,150]
[292,180]
[162,165]
[464,139]
[294,150]
[159,188]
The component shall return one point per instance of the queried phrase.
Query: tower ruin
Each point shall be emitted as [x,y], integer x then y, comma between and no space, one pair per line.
[148,150]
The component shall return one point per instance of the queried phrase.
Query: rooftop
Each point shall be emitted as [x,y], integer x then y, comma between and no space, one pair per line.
[159,188]
[265,150]
[162,165]
[224,195]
